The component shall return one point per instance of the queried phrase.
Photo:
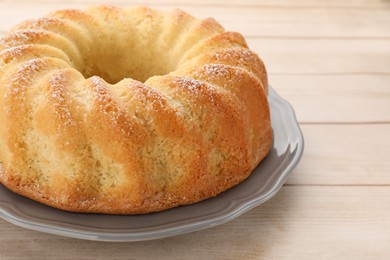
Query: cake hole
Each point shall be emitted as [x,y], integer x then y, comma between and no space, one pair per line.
[133,49]
[113,67]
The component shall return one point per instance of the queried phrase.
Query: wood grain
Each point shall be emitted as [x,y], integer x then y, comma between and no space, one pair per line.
[336,98]
[323,56]
[351,154]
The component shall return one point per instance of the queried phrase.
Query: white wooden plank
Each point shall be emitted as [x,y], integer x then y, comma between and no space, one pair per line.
[323,56]
[336,98]
[344,155]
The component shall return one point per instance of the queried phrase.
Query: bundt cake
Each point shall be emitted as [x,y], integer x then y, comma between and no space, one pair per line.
[128,110]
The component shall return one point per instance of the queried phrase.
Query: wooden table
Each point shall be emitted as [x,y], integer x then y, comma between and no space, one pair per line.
[331,60]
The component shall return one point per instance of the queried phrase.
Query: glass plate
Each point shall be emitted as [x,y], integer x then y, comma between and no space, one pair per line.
[263,183]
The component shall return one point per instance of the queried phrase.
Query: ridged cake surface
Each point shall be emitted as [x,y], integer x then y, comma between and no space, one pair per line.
[128,110]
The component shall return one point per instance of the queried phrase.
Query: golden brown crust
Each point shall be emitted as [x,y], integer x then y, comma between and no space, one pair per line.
[81,143]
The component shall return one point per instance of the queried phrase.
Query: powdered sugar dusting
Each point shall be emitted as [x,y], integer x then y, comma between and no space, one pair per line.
[220,75]
[148,98]
[236,55]
[20,37]
[241,58]
[108,106]
[14,52]
[217,70]
[197,88]
[104,99]
[102,96]
[57,95]
[21,79]
[142,90]
[192,85]
[41,23]
[213,72]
